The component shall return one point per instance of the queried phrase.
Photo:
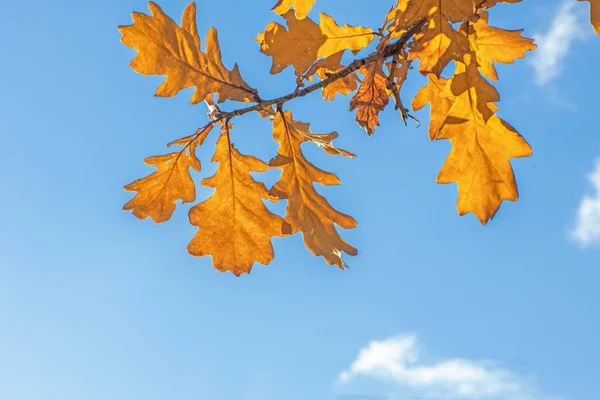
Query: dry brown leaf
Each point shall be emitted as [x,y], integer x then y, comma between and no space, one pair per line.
[167,49]
[301,7]
[307,211]
[158,192]
[594,14]
[305,41]
[234,226]
[372,96]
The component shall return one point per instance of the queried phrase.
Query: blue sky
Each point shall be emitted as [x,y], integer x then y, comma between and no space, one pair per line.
[96,304]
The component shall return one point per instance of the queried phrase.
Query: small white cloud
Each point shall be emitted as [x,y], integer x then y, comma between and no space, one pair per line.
[553,46]
[396,360]
[587,226]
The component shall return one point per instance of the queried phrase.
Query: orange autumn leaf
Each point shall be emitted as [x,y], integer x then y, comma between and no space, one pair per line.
[408,12]
[307,211]
[301,7]
[594,14]
[481,147]
[306,41]
[234,226]
[372,97]
[157,193]
[164,48]
[438,45]
[491,44]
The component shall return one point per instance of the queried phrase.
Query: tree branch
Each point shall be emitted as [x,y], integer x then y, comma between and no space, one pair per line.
[385,52]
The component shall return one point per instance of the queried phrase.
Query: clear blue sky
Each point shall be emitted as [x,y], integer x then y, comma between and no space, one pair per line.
[97,305]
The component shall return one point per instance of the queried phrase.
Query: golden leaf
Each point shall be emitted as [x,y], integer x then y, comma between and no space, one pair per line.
[372,96]
[234,226]
[307,211]
[594,14]
[492,44]
[468,79]
[438,45]
[441,102]
[301,7]
[167,49]
[481,149]
[408,12]
[157,193]
[306,42]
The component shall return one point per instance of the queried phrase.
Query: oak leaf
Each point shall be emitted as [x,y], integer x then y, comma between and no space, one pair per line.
[305,41]
[372,96]
[167,49]
[481,148]
[307,211]
[594,14]
[234,226]
[408,12]
[157,193]
[301,7]
[491,44]
[438,45]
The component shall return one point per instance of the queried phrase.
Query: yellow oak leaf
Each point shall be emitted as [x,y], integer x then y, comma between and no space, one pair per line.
[594,14]
[441,101]
[307,211]
[408,12]
[301,7]
[438,45]
[167,49]
[491,44]
[479,163]
[234,226]
[479,159]
[467,78]
[157,193]
[305,41]
[372,96]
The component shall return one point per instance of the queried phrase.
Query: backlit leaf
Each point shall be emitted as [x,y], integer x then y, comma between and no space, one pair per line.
[234,226]
[167,49]
[305,41]
[301,7]
[491,44]
[307,211]
[157,193]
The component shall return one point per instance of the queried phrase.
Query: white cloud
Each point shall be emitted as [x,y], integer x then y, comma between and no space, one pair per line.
[587,228]
[396,360]
[553,46]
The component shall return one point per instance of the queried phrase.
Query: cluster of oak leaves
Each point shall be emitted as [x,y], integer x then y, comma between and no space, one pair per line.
[234,226]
